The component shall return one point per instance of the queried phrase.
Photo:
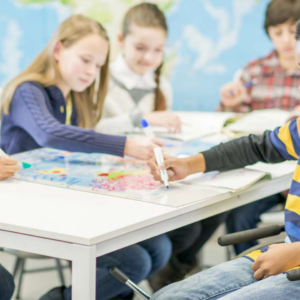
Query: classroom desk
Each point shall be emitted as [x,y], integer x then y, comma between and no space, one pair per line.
[80,226]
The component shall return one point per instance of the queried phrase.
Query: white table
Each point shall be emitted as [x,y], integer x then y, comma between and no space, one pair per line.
[81,226]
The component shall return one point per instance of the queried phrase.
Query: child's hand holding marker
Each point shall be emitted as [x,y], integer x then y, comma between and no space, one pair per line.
[164,167]
[233,93]
[8,166]
[177,168]
[159,157]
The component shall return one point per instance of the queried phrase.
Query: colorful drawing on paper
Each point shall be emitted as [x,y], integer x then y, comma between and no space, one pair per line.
[90,172]
[104,174]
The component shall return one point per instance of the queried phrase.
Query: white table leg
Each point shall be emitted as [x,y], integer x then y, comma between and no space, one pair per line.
[84,273]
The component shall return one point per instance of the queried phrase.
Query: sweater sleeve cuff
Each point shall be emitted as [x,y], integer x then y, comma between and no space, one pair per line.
[212,161]
[114,145]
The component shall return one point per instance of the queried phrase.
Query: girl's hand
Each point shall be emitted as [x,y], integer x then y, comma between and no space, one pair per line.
[279,258]
[164,119]
[178,168]
[142,148]
[232,94]
[8,166]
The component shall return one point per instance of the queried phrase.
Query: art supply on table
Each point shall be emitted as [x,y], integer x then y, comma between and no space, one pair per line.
[157,152]
[200,124]
[147,129]
[258,121]
[108,175]
[160,161]
[22,165]
[246,85]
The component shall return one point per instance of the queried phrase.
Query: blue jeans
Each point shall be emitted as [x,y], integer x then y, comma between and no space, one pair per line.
[137,261]
[247,216]
[7,285]
[232,280]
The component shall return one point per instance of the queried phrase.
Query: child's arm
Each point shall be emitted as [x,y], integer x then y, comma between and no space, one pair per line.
[165,118]
[115,125]
[29,111]
[232,94]
[271,147]
[113,122]
[8,166]
[235,95]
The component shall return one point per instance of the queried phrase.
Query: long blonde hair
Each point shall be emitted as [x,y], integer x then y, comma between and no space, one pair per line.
[44,70]
[148,15]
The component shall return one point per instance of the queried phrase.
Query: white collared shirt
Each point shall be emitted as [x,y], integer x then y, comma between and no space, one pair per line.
[119,106]
[120,70]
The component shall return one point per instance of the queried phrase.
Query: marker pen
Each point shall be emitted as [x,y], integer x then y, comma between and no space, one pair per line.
[246,85]
[22,165]
[157,152]
[147,129]
[160,161]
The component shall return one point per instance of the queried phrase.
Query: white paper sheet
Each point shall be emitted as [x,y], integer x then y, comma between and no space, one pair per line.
[196,125]
[259,121]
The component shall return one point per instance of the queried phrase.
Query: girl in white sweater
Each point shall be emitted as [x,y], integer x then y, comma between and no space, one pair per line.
[137,90]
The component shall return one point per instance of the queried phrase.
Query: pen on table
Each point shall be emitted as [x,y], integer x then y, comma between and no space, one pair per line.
[147,129]
[157,152]
[246,85]
[22,165]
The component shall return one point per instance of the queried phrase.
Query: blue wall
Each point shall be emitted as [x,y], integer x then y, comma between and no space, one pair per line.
[194,25]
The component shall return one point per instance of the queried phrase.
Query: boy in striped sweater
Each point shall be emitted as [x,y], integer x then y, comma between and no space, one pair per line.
[259,275]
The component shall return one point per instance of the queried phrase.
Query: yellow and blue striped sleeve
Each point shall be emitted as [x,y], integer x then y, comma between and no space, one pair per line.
[286,140]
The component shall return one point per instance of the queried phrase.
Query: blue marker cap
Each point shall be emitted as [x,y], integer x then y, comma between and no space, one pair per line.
[248,84]
[144,123]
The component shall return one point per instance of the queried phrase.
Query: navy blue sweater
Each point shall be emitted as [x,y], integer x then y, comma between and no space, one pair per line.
[36,119]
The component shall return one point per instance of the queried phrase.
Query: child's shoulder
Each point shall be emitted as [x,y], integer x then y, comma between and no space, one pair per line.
[27,89]
[30,85]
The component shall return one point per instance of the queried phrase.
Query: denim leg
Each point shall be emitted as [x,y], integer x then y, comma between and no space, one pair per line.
[7,285]
[247,216]
[159,249]
[273,288]
[134,261]
[211,284]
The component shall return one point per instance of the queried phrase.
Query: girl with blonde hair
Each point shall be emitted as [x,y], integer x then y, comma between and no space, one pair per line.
[58,99]
[54,103]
